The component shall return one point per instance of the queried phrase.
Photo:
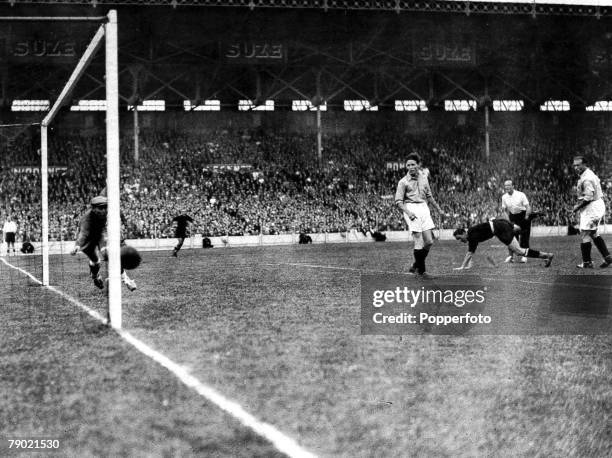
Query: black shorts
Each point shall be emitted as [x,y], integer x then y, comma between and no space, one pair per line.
[503,230]
[180,234]
[9,237]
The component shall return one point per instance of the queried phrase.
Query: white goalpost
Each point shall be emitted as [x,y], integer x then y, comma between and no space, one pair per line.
[107,32]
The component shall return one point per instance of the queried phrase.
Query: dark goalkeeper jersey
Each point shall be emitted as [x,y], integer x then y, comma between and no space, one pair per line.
[500,228]
[181,223]
[91,227]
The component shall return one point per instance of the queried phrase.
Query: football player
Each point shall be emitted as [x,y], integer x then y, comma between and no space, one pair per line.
[505,231]
[412,197]
[91,240]
[591,208]
[181,231]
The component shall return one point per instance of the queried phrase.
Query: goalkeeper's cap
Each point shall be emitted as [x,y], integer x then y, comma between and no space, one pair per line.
[99,201]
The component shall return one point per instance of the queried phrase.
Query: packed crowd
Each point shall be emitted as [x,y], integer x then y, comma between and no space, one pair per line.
[264,182]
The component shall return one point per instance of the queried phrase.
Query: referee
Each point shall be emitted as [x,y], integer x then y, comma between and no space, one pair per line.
[515,204]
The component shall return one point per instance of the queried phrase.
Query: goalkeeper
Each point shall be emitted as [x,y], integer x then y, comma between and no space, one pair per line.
[91,240]
[505,232]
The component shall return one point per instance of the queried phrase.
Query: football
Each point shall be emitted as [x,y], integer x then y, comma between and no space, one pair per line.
[130,257]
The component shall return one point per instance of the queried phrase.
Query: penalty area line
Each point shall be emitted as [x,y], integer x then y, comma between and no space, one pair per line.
[316,266]
[270,433]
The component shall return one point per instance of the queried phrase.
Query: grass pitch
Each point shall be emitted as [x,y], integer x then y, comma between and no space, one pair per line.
[277,329]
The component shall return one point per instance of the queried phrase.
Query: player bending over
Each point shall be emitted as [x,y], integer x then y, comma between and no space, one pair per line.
[505,231]
[91,240]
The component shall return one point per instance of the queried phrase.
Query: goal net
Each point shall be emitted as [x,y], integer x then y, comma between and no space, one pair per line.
[49,224]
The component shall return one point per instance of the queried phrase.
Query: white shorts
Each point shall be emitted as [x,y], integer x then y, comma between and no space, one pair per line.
[591,215]
[423,221]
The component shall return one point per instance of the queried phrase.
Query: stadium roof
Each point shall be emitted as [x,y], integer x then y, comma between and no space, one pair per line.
[595,8]
[193,53]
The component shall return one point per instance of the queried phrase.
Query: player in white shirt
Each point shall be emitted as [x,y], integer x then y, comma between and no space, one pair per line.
[516,205]
[9,229]
[592,209]
[413,197]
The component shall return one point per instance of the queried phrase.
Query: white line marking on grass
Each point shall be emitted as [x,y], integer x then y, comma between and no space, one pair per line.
[315,266]
[74,301]
[282,442]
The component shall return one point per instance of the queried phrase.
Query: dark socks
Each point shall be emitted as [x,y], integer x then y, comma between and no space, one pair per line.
[601,246]
[425,253]
[419,260]
[585,248]
[94,270]
[532,253]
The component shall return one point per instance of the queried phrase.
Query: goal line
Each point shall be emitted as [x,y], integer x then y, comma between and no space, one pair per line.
[269,432]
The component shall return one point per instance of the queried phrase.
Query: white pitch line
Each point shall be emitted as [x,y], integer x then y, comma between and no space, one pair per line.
[315,266]
[282,442]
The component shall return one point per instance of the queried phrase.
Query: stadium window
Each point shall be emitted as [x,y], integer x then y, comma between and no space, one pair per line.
[89,105]
[30,105]
[600,105]
[459,105]
[306,105]
[208,105]
[508,105]
[359,105]
[555,105]
[410,105]
[150,105]
[249,105]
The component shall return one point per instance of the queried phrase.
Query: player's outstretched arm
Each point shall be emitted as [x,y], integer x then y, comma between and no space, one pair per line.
[467,262]
[82,232]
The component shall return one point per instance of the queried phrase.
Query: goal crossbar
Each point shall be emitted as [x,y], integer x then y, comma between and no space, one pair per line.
[52,18]
[78,71]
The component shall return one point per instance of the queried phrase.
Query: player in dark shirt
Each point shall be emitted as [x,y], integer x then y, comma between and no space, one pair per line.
[505,231]
[181,231]
[91,240]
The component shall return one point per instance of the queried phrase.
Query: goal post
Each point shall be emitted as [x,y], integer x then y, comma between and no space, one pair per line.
[88,55]
[107,32]
[112,170]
